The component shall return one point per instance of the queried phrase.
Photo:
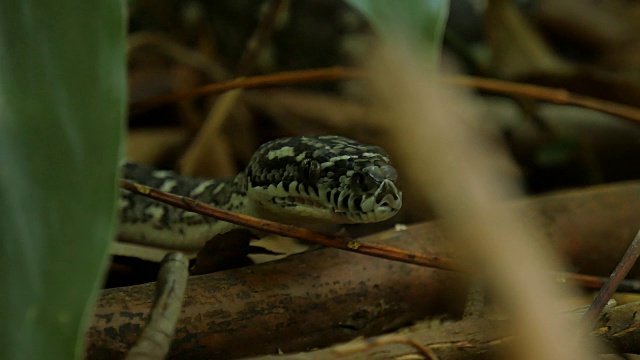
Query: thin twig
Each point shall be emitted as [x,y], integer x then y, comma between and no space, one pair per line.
[156,337]
[381,251]
[597,282]
[554,95]
[622,269]
[254,82]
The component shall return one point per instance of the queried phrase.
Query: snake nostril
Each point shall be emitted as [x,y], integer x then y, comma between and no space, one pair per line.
[389,172]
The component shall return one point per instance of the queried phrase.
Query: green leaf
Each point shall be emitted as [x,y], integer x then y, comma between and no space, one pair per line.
[420,23]
[62,94]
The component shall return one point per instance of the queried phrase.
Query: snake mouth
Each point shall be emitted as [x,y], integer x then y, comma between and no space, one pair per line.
[327,205]
[347,208]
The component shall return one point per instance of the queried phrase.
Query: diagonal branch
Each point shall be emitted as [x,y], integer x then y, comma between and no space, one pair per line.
[611,285]
[338,242]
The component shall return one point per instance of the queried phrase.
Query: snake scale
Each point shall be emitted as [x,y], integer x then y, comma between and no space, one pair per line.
[304,181]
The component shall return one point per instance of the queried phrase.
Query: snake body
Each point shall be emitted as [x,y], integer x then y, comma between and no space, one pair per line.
[301,181]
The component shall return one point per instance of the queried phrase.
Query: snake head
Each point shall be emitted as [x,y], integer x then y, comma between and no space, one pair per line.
[323,179]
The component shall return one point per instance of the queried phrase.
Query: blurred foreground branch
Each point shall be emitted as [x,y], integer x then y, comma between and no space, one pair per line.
[467,174]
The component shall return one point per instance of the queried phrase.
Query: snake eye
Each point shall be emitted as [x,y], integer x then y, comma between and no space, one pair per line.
[310,170]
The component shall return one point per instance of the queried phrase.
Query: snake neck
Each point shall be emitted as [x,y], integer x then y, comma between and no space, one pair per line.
[147,222]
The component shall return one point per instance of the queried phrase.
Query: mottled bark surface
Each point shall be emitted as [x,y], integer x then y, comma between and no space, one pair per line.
[302,302]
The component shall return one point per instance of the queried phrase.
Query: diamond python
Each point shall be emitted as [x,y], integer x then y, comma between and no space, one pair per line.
[304,181]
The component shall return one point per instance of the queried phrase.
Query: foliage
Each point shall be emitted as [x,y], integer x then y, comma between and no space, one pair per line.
[419,22]
[62,95]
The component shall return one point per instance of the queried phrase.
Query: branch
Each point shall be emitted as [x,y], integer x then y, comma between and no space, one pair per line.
[543,93]
[436,261]
[333,241]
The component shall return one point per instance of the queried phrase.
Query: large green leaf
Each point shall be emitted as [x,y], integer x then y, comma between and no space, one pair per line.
[62,93]
[419,23]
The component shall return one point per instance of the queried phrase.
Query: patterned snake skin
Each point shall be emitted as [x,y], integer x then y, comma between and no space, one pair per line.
[302,181]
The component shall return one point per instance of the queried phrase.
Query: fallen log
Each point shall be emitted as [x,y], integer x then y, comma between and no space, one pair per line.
[327,296]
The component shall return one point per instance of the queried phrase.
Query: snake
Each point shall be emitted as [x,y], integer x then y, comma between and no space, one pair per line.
[307,181]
